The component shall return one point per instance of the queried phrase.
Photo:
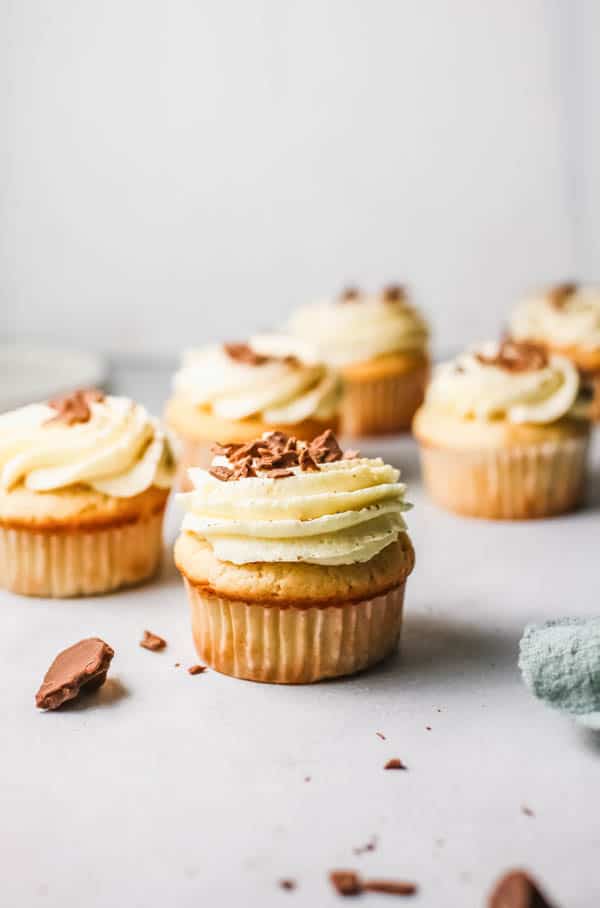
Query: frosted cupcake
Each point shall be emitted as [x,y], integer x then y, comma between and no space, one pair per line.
[379,343]
[498,436]
[566,319]
[295,557]
[235,392]
[84,481]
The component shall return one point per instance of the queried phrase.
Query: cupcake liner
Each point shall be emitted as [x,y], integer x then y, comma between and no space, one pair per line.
[79,562]
[372,406]
[513,483]
[193,454]
[290,645]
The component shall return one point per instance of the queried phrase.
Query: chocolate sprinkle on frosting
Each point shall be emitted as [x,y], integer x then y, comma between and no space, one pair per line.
[325,449]
[243,353]
[560,294]
[516,356]
[350,295]
[80,667]
[75,407]
[276,455]
[393,293]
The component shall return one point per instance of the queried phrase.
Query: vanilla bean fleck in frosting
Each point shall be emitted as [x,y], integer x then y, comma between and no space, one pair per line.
[357,326]
[278,499]
[564,316]
[109,444]
[277,378]
[519,382]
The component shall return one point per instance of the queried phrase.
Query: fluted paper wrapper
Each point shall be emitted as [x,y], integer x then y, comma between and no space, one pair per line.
[79,562]
[193,454]
[372,406]
[512,484]
[293,645]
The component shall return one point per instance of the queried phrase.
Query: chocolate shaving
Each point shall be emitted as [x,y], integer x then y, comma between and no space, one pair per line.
[244,469]
[346,882]
[251,449]
[196,669]
[394,763]
[349,295]
[393,293]
[284,459]
[516,356]
[152,641]
[243,353]
[280,473]
[75,407]
[560,294]
[390,887]
[287,884]
[80,667]
[307,463]
[224,474]
[225,450]
[325,449]
[517,890]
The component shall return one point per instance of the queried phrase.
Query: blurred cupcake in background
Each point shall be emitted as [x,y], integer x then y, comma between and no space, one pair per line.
[565,319]
[379,343]
[84,481]
[498,433]
[235,392]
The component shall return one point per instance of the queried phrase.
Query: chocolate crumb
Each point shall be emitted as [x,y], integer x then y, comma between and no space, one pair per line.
[517,890]
[243,353]
[346,882]
[81,667]
[196,669]
[390,887]
[394,763]
[394,293]
[369,846]
[527,811]
[381,735]
[75,407]
[559,295]
[224,474]
[280,473]
[349,295]
[152,641]
[287,884]
[516,356]
[307,464]
[178,665]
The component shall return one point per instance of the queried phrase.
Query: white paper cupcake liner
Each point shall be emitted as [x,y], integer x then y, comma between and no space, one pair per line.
[512,483]
[79,562]
[293,645]
[372,406]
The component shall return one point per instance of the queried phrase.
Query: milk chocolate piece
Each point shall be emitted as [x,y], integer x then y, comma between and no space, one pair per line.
[243,353]
[516,356]
[152,641]
[196,669]
[287,884]
[350,295]
[74,407]
[80,667]
[325,449]
[394,763]
[517,890]
[560,294]
[347,882]
[394,293]
[390,887]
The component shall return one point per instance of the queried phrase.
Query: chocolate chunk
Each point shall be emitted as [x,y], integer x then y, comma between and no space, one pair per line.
[280,473]
[517,890]
[243,353]
[243,469]
[152,641]
[324,448]
[559,295]
[82,666]
[393,293]
[307,464]
[390,887]
[75,407]
[225,450]
[394,763]
[283,459]
[196,669]
[251,449]
[287,884]
[513,356]
[224,474]
[346,882]
[349,295]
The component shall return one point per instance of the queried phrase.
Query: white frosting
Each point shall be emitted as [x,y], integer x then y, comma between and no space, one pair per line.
[475,389]
[575,323]
[120,451]
[280,391]
[345,513]
[361,329]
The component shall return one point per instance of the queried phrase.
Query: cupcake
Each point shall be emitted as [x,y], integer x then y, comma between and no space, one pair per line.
[295,557]
[497,433]
[379,344]
[566,320]
[84,481]
[235,392]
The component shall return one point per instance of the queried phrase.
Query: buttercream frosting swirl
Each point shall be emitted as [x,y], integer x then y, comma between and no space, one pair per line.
[489,382]
[112,445]
[282,380]
[343,512]
[564,317]
[358,327]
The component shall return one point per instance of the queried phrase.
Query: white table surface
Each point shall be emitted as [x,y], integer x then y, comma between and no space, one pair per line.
[166,789]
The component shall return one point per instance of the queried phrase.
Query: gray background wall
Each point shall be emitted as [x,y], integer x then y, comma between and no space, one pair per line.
[176,171]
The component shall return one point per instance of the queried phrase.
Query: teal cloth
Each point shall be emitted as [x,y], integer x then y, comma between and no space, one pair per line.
[560,663]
